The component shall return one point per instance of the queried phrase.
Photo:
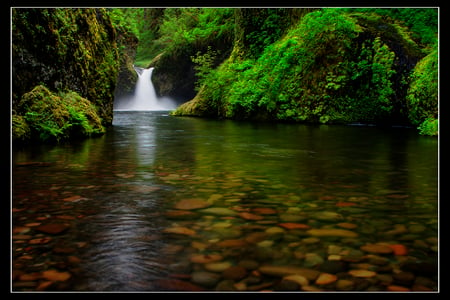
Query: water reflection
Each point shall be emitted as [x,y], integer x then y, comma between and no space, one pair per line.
[119,194]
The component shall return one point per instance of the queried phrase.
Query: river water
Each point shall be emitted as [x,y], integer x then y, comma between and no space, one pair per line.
[175,203]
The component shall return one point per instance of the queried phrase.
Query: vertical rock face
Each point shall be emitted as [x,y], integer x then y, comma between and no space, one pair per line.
[127,77]
[65,49]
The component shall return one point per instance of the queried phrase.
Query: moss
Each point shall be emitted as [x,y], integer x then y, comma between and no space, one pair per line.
[51,117]
[20,129]
[65,49]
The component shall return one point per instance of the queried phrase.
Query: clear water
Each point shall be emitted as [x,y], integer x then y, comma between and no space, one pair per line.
[119,193]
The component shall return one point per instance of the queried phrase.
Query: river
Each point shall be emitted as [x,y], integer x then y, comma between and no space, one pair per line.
[164,203]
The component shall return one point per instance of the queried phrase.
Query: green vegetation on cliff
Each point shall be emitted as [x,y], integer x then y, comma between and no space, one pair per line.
[332,66]
[67,51]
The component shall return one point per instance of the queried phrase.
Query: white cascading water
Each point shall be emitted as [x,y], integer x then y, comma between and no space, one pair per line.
[145,98]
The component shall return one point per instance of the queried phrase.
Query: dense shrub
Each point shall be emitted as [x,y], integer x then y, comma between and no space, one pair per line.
[51,117]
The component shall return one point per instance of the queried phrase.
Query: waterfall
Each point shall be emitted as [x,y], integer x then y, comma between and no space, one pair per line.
[144,97]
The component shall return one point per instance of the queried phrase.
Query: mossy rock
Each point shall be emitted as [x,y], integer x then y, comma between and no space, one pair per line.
[50,117]
[422,97]
[20,129]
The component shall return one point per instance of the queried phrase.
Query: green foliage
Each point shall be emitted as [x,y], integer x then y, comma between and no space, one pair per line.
[52,117]
[423,22]
[287,80]
[429,127]
[204,65]
[334,66]
[185,29]
[422,97]
[372,74]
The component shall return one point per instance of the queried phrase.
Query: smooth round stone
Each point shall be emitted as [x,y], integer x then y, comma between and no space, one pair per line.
[235,273]
[219,211]
[222,225]
[205,258]
[275,230]
[255,237]
[291,218]
[344,285]
[299,279]
[310,240]
[189,204]
[325,278]
[377,248]
[327,216]
[249,264]
[333,266]
[417,228]
[226,285]
[333,232]
[362,273]
[217,267]
[282,271]
[286,285]
[265,244]
[206,279]
[312,260]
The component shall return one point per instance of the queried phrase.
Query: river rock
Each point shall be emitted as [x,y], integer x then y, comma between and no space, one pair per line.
[327,216]
[234,273]
[344,285]
[291,218]
[181,215]
[220,211]
[179,230]
[377,248]
[403,278]
[226,285]
[54,275]
[176,285]
[416,228]
[217,267]
[398,229]
[310,240]
[299,279]
[332,232]
[206,279]
[275,230]
[346,225]
[282,271]
[333,266]
[255,237]
[362,273]
[312,260]
[232,243]
[248,264]
[399,249]
[325,278]
[286,285]
[188,204]
[264,210]
[266,243]
[54,228]
[205,258]
[250,216]
[397,288]
[294,226]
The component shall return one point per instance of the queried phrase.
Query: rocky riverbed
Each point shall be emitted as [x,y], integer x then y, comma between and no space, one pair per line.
[224,242]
